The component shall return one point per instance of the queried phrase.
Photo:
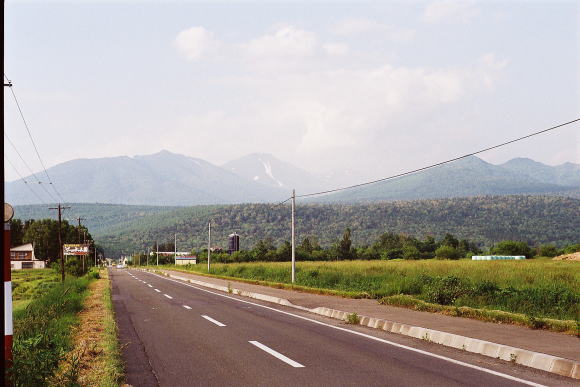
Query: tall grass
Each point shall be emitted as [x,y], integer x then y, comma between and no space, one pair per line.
[538,288]
[42,331]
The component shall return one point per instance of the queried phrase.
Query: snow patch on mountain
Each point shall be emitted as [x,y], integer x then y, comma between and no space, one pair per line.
[268,171]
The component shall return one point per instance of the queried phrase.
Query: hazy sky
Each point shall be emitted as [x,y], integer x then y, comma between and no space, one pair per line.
[379,87]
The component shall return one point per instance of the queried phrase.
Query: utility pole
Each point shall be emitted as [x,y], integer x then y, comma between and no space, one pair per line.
[175,251]
[79,219]
[293,236]
[157,249]
[60,210]
[208,245]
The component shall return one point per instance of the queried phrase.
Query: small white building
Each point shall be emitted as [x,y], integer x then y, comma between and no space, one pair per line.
[22,257]
[186,260]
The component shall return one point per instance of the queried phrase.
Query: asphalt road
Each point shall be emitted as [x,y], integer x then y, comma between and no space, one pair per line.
[175,334]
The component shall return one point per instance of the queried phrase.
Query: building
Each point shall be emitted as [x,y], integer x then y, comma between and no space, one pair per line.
[186,260]
[233,243]
[22,257]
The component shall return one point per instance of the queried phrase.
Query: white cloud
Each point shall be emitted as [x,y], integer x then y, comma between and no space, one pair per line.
[457,11]
[196,42]
[287,41]
[336,48]
[358,26]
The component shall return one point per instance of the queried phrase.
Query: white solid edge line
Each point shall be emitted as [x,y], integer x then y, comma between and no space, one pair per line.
[458,362]
[276,354]
[216,322]
[187,307]
[157,290]
[168,296]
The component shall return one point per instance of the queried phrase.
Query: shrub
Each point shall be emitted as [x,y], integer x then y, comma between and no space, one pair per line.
[411,252]
[512,248]
[547,251]
[446,252]
[445,290]
[353,318]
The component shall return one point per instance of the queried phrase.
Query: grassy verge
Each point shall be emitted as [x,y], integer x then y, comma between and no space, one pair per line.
[30,284]
[537,293]
[95,357]
[42,331]
[113,361]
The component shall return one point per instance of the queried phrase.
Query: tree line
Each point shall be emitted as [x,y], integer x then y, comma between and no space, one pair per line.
[43,234]
[388,246]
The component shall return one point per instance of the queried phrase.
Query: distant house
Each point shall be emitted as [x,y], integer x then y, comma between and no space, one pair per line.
[22,257]
[186,260]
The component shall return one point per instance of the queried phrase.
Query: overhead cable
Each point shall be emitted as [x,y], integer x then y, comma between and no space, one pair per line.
[29,169]
[32,140]
[438,164]
[24,180]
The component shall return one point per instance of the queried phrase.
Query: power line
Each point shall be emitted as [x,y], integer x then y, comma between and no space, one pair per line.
[437,164]
[30,169]
[32,140]
[24,180]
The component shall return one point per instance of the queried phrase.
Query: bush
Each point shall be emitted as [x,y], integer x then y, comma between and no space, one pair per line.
[445,290]
[512,248]
[446,252]
[547,251]
[411,252]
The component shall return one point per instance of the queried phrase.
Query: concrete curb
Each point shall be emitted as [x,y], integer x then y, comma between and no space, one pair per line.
[541,361]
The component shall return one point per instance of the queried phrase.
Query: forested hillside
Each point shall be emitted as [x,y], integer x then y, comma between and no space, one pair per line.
[484,220]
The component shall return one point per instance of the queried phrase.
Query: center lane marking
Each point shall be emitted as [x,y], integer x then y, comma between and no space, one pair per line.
[216,322]
[168,296]
[150,285]
[360,334]
[187,307]
[276,354]
[158,291]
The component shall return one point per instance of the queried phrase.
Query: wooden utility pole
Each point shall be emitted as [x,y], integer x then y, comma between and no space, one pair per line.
[60,210]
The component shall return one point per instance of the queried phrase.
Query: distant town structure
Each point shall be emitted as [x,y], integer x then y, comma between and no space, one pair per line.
[22,257]
[233,243]
[186,260]
[170,253]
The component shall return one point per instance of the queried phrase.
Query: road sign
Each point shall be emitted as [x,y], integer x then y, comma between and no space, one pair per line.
[8,212]
[76,249]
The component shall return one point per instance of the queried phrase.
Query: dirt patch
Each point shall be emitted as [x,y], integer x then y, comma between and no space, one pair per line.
[568,257]
[86,363]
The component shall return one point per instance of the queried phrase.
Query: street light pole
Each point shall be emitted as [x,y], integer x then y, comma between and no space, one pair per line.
[208,245]
[293,237]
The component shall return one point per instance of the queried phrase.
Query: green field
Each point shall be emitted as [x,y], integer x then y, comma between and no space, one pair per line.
[30,284]
[42,331]
[539,288]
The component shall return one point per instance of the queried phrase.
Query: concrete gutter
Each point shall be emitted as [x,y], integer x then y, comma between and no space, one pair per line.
[541,361]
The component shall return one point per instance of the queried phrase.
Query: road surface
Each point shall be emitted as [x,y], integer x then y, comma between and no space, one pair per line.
[176,334]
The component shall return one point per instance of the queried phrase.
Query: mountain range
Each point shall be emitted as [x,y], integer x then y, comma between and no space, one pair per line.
[166,178]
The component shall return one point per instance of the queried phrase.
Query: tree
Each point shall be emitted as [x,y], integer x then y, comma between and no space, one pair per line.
[446,252]
[344,245]
[450,240]
[512,248]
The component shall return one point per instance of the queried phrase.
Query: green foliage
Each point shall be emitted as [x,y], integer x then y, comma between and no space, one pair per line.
[42,333]
[353,318]
[547,251]
[446,252]
[512,248]
[540,288]
[482,220]
[43,233]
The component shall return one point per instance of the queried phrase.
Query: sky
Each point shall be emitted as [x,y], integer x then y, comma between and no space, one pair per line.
[371,88]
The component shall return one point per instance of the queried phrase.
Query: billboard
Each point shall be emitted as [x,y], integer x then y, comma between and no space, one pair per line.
[78,249]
